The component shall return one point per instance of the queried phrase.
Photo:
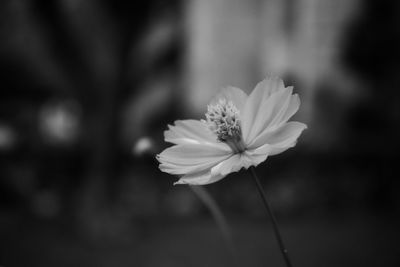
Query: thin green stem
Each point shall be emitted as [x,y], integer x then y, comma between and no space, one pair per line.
[219,218]
[278,236]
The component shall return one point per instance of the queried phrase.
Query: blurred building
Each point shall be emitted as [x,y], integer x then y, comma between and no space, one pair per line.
[238,43]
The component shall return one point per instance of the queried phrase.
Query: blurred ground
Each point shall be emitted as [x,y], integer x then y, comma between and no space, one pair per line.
[349,241]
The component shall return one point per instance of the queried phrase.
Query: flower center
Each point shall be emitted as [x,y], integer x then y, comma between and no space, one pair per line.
[223,120]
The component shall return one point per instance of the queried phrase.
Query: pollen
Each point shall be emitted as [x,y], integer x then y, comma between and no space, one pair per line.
[223,120]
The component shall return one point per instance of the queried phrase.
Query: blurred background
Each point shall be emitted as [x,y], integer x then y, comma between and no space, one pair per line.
[88,87]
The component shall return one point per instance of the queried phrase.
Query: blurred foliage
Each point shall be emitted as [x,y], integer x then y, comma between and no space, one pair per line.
[87,88]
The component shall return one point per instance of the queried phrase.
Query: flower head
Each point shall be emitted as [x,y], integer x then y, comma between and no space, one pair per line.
[239,131]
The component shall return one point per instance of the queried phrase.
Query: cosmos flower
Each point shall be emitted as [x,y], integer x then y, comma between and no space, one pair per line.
[239,131]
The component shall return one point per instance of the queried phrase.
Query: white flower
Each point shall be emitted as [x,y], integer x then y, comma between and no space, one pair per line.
[239,131]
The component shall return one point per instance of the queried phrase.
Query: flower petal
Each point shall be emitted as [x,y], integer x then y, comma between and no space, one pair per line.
[199,178]
[270,111]
[281,138]
[244,160]
[230,93]
[189,132]
[252,107]
[190,158]
[232,164]
[258,155]
[293,107]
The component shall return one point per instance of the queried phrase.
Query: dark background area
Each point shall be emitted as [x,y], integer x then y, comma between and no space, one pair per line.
[88,87]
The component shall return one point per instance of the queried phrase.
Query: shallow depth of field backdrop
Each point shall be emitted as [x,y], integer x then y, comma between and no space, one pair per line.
[87,88]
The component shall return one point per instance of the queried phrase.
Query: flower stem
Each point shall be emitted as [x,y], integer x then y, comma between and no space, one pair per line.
[218,216]
[278,236]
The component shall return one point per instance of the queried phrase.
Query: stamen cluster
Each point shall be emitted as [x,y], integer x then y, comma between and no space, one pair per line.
[223,120]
